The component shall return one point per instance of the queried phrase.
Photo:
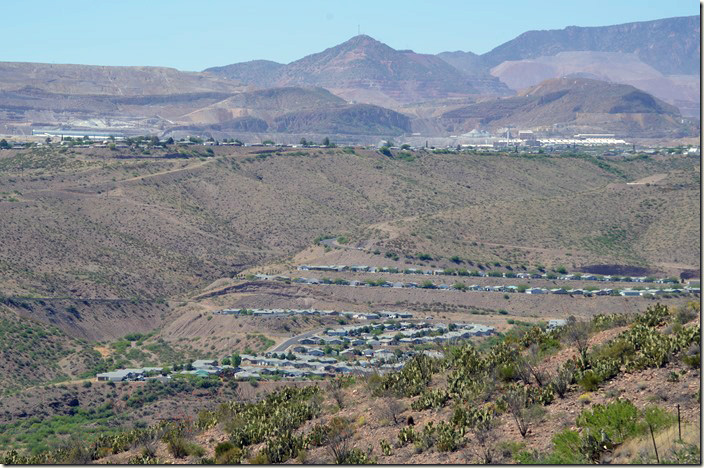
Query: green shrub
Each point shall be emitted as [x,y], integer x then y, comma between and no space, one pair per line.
[357,457]
[434,399]
[177,446]
[654,315]
[657,418]
[567,449]
[448,438]
[283,447]
[411,380]
[223,447]
[618,420]
[590,381]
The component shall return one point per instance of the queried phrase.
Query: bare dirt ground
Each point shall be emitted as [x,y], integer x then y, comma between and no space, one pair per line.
[649,180]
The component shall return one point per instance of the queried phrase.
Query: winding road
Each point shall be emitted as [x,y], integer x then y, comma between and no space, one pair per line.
[293,340]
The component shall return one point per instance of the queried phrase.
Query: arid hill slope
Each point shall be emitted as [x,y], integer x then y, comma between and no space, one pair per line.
[580,105]
[85,224]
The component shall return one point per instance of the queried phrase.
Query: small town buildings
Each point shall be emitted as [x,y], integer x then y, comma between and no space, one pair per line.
[204,363]
[555,323]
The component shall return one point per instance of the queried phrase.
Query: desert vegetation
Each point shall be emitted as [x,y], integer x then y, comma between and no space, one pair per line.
[487,404]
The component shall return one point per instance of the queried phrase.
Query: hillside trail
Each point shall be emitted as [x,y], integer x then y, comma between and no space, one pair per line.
[169,171]
[388,227]
[652,179]
[118,190]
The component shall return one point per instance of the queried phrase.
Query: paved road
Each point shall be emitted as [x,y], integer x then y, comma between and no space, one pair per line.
[291,341]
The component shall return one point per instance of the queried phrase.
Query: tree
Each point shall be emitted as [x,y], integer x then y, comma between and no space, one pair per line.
[385,151]
[235,360]
[303,142]
[170,141]
[326,141]
[4,144]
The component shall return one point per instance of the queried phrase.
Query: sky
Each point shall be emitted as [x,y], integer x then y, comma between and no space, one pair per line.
[193,35]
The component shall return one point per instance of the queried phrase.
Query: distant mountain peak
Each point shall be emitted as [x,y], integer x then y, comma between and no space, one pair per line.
[362,40]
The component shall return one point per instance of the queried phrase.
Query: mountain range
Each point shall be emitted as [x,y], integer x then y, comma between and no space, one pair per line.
[365,87]
[364,69]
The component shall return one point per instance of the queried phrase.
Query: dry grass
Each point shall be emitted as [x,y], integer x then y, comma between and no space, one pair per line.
[641,450]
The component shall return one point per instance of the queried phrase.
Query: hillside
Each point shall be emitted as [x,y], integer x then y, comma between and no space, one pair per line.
[120,259]
[577,105]
[160,227]
[349,120]
[109,81]
[256,72]
[618,67]
[264,104]
[467,62]
[530,395]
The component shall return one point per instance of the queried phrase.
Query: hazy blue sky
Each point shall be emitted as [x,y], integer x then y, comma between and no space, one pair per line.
[193,35]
